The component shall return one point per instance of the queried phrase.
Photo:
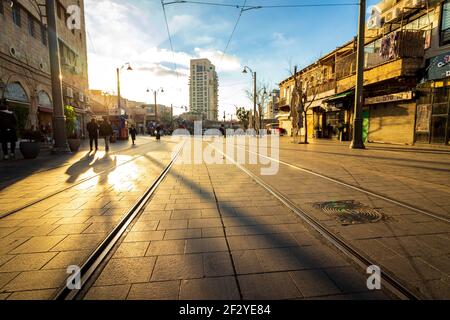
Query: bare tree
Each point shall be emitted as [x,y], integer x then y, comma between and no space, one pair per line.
[300,105]
[262,99]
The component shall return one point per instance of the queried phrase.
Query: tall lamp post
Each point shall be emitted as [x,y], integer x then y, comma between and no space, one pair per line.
[248,69]
[357,141]
[261,116]
[129,68]
[155,93]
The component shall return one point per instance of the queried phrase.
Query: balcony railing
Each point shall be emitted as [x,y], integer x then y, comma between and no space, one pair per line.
[321,88]
[401,44]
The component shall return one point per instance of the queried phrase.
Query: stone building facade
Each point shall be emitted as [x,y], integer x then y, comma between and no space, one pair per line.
[25,64]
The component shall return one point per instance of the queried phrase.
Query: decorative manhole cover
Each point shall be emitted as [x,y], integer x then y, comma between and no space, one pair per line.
[350,211]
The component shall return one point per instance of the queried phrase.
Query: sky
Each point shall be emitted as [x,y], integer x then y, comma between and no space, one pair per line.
[269,41]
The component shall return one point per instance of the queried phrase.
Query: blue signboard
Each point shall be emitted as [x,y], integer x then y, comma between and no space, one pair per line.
[439,67]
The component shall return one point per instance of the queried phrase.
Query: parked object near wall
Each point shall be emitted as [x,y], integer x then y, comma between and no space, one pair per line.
[31,147]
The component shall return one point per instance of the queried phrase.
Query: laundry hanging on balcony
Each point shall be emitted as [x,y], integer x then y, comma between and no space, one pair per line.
[389,46]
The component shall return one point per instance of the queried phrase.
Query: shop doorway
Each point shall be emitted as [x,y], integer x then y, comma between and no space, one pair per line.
[439,129]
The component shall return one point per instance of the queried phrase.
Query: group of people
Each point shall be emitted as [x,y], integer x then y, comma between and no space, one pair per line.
[103,130]
[8,130]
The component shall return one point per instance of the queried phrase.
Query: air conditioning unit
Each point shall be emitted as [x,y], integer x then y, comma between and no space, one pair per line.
[392,15]
[69,92]
[374,22]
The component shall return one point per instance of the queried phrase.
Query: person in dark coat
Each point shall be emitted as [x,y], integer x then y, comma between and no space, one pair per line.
[8,130]
[92,129]
[158,133]
[106,131]
[133,134]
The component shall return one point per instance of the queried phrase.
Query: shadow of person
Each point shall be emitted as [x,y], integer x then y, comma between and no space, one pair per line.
[102,164]
[80,167]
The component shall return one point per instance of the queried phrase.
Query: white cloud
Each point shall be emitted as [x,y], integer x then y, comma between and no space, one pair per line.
[223,63]
[124,33]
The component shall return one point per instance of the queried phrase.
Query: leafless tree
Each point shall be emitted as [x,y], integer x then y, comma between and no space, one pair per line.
[262,98]
[300,104]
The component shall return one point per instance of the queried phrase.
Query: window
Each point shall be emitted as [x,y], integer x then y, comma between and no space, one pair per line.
[31,29]
[16,15]
[2,11]
[43,34]
[445,23]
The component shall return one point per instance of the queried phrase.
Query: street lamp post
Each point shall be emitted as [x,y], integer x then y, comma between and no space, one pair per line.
[118,84]
[155,93]
[261,116]
[357,141]
[60,135]
[254,93]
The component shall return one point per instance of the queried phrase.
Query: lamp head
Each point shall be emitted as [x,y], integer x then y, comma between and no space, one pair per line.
[129,68]
[244,71]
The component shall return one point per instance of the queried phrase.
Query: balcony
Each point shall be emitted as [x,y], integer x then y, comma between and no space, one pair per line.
[322,88]
[398,54]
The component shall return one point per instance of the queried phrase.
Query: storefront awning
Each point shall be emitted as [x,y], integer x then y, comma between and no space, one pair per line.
[45,109]
[340,96]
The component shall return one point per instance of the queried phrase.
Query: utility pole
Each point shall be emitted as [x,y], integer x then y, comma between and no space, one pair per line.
[145,120]
[118,91]
[60,135]
[254,101]
[156,108]
[357,141]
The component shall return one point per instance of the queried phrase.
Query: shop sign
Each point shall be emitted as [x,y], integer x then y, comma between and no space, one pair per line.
[390,98]
[423,118]
[439,67]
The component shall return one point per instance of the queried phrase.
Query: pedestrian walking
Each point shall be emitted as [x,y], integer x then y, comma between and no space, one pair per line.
[8,130]
[223,131]
[158,133]
[133,134]
[106,131]
[92,129]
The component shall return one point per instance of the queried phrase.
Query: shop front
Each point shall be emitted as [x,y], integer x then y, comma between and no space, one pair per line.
[337,116]
[18,102]
[389,118]
[433,107]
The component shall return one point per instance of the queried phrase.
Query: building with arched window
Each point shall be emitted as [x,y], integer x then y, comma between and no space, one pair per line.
[25,65]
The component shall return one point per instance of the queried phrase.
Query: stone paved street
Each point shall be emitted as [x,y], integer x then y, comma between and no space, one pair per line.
[37,244]
[211,231]
[406,243]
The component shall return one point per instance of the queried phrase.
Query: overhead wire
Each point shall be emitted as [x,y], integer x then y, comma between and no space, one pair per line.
[170,37]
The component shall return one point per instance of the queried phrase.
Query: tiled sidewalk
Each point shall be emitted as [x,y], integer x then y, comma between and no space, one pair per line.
[411,246]
[187,245]
[39,243]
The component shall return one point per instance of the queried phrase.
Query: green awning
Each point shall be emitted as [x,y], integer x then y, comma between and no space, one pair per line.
[340,96]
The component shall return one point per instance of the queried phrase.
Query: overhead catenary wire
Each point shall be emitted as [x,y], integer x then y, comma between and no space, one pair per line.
[163,5]
[245,7]
[234,30]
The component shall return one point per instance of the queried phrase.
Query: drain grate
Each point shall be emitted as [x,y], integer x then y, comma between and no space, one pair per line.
[350,211]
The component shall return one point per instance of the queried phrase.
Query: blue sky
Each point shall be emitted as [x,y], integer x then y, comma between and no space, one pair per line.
[267,40]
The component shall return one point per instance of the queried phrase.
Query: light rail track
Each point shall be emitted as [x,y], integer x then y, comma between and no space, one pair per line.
[66,164]
[64,189]
[357,188]
[101,253]
[390,282]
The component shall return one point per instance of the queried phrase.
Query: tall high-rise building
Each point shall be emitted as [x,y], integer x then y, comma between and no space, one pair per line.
[204,89]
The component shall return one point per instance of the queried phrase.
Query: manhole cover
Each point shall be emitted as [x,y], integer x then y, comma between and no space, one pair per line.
[350,211]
